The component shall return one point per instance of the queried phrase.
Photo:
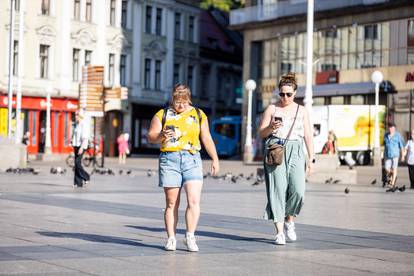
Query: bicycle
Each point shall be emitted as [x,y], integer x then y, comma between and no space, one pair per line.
[89,157]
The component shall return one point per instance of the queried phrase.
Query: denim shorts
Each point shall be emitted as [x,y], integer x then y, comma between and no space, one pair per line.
[391,163]
[178,167]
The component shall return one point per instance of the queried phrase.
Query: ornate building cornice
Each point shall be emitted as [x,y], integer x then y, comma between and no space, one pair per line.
[83,37]
[155,50]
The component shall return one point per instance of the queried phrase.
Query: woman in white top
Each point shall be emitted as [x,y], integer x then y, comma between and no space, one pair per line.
[409,156]
[285,183]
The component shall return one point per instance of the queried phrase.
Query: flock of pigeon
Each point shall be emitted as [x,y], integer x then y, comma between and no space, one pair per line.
[236,178]
[23,171]
[258,179]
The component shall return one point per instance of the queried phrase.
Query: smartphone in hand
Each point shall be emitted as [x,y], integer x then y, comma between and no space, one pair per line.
[277,119]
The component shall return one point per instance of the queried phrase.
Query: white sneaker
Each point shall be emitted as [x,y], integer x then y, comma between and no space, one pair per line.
[280,239]
[171,244]
[290,231]
[191,244]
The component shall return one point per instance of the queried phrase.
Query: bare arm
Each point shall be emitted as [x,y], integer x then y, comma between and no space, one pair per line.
[155,134]
[267,125]
[308,140]
[210,147]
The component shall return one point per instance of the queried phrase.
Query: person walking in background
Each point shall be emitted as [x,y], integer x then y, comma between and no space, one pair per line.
[26,141]
[409,157]
[79,141]
[123,148]
[393,149]
[286,123]
[329,147]
[179,128]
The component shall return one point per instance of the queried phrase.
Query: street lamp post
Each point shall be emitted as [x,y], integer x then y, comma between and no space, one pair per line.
[19,127]
[309,58]
[377,78]
[10,88]
[48,141]
[248,149]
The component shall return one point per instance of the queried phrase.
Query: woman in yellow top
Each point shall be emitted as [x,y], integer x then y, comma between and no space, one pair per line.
[179,129]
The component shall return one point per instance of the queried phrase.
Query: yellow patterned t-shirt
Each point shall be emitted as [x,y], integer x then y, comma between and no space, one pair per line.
[187,130]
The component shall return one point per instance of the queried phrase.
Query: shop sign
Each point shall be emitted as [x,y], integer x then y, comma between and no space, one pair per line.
[409,77]
[38,103]
[91,90]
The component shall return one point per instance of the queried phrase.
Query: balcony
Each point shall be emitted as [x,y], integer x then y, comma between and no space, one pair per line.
[262,13]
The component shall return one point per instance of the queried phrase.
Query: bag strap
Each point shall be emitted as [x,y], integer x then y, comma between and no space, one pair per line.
[199,117]
[290,130]
[164,117]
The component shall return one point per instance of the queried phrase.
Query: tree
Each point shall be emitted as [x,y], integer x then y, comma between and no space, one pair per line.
[225,5]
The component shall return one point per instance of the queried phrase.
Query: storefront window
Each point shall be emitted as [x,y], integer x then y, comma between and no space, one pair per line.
[319,101]
[337,100]
[33,132]
[65,129]
[55,129]
[410,42]
[357,99]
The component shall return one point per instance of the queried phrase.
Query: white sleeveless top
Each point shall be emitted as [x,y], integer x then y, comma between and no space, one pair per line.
[298,131]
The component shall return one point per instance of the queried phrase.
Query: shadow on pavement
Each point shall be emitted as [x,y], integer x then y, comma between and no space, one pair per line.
[205,234]
[98,238]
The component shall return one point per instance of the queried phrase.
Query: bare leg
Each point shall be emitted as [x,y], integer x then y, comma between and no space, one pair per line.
[192,213]
[279,227]
[172,202]
[394,176]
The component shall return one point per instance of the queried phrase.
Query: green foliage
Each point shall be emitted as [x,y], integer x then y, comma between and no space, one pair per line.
[224,5]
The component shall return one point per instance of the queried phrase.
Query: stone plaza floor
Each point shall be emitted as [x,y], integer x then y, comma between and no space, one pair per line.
[115,227]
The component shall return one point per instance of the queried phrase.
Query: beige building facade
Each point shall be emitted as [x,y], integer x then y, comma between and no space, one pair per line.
[146,46]
[351,39]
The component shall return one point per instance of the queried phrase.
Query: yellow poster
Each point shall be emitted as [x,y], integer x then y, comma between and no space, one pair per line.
[3,122]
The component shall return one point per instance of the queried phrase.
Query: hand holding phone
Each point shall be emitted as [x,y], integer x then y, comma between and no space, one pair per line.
[276,122]
[278,119]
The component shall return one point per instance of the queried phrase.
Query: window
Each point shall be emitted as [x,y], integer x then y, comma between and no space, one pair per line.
[328,67]
[286,67]
[148,16]
[112,12]
[75,64]
[270,58]
[177,26]
[226,130]
[176,74]
[158,25]
[88,57]
[66,127]
[111,67]
[371,32]
[34,127]
[17,5]
[15,57]
[44,61]
[190,77]
[335,100]
[45,7]
[410,42]
[122,69]
[157,75]
[124,13]
[191,28]
[357,99]
[88,12]
[76,10]
[147,73]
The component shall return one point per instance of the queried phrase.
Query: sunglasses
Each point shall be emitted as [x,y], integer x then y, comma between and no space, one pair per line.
[281,94]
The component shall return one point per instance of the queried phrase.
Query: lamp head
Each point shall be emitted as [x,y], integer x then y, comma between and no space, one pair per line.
[250,85]
[377,77]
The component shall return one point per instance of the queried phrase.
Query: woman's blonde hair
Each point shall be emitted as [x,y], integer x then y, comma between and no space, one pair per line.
[181,91]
